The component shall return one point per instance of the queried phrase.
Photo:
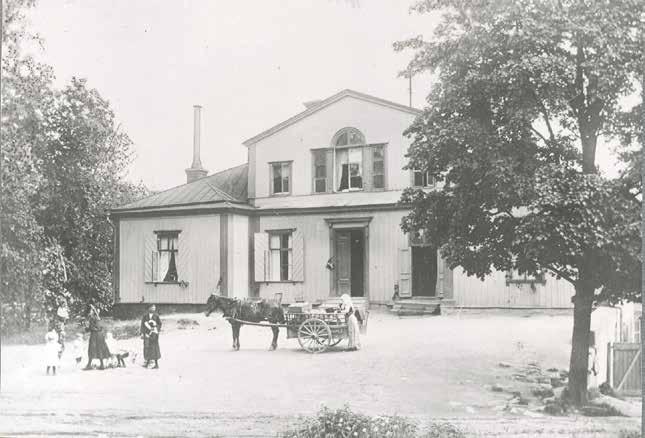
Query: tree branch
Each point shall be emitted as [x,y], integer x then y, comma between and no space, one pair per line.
[539,134]
[544,111]
[561,274]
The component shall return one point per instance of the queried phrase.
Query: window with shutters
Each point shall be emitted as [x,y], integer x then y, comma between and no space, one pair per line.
[280,256]
[320,170]
[422,179]
[281,178]
[165,259]
[350,169]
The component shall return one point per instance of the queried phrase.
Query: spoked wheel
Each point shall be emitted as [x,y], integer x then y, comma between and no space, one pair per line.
[314,335]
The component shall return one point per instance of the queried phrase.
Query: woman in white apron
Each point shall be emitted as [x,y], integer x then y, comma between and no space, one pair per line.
[353,328]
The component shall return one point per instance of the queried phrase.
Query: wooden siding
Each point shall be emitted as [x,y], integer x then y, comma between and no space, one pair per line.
[384,240]
[238,255]
[202,237]
[494,292]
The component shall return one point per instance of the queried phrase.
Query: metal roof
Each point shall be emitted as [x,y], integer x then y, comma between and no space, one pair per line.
[227,187]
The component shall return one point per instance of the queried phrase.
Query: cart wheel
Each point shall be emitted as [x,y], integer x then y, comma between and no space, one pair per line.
[314,335]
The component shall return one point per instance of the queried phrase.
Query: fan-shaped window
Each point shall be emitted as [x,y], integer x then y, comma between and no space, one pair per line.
[348,137]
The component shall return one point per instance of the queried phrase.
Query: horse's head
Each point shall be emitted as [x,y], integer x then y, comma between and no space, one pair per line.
[218,302]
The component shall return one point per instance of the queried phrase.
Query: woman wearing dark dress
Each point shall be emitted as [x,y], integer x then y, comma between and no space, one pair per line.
[150,328]
[97,348]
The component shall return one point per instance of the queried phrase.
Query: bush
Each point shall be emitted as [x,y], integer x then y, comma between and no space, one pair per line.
[630,434]
[343,423]
[444,430]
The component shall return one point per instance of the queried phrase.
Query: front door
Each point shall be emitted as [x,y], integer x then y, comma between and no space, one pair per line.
[424,271]
[350,268]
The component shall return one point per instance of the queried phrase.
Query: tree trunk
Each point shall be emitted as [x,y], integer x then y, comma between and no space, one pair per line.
[579,363]
[27,316]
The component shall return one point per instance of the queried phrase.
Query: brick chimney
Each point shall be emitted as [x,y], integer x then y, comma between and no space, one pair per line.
[196,171]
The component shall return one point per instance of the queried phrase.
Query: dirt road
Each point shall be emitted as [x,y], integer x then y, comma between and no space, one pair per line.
[434,367]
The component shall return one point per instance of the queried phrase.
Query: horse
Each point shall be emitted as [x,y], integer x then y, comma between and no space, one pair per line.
[245,310]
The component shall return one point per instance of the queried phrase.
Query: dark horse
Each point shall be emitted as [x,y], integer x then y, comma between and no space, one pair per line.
[245,310]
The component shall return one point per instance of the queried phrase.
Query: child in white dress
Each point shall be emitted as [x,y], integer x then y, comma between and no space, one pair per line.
[52,348]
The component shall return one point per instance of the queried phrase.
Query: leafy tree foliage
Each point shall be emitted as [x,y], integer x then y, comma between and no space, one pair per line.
[63,161]
[525,90]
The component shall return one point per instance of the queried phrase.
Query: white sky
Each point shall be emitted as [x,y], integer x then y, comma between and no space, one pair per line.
[250,64]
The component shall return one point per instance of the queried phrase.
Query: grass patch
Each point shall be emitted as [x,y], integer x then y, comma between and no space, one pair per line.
[184,323]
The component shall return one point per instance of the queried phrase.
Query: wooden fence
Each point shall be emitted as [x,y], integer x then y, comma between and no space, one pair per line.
[624,367]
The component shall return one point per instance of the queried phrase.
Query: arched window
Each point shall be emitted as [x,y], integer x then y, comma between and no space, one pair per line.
[348,143]
[348,137]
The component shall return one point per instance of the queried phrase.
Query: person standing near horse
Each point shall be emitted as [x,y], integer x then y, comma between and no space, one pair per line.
[353,329]
[150,328]
[97,348]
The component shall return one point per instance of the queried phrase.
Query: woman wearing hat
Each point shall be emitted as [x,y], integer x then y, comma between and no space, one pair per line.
[150,328]
[97,348]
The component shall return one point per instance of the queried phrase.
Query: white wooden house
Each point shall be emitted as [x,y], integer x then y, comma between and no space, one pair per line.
[313,214]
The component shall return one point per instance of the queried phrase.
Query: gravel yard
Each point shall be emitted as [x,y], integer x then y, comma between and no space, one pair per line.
[425,368]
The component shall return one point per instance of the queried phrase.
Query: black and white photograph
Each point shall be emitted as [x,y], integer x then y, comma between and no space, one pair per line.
[322,218]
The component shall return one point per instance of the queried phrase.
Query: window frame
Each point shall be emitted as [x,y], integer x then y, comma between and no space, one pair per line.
[428,178]
[288,250]
[513,277]
[349,164]
[282,164]
[319,153]
[174,236]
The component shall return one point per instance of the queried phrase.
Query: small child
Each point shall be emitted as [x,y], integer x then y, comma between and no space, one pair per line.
[118,353]
[52,348]
[77,348]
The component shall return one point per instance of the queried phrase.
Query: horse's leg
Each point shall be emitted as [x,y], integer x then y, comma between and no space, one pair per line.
[276,332]
[236,336]
[233,332]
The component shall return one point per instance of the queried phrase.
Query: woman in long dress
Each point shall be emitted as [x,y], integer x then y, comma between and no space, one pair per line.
[150,328]
[97,348]
[353,329]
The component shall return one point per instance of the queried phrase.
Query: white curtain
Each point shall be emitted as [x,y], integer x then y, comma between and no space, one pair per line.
[164,264]
[274,262]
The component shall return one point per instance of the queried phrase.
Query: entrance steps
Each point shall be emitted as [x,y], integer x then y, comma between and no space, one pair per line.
[417,306]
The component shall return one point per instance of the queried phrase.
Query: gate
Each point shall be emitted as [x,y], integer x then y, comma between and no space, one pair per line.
[625,367]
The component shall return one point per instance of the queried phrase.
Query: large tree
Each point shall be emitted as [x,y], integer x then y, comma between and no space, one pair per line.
[526,91]
[83,164]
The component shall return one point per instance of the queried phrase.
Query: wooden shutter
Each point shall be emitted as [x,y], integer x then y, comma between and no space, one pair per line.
[149,254]
[405,272]
[329,159]
[374,150]
[298,254]
[183,257]
[367,168]
[261,256]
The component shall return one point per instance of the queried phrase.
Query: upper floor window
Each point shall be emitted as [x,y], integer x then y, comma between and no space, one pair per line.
[422,179]
[350,169]
[348,137]
[280,178]
[349,164]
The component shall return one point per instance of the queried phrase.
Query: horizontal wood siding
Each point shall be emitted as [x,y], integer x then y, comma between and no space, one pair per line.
[202,237]
[384,239]
[494,292]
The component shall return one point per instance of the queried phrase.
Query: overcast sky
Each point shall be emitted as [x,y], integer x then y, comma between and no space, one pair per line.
[250,64]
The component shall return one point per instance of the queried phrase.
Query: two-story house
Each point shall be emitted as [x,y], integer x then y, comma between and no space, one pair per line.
[313,214]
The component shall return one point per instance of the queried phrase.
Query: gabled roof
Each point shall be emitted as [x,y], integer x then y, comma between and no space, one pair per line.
[222,188]
[325,103]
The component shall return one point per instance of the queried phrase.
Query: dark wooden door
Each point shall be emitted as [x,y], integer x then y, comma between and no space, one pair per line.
[343,263]
[424,271]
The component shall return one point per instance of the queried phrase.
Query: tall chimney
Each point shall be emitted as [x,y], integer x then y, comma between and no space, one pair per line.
[196,171]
